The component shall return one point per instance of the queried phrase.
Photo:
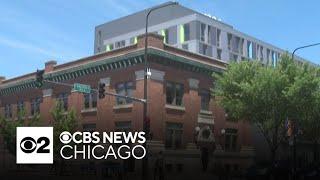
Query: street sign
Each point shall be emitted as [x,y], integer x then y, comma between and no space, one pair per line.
[83,88]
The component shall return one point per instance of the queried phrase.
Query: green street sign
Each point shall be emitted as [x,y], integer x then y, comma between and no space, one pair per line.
[83,88]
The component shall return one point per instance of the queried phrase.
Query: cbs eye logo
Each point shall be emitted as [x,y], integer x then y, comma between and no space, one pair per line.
[28,145]
[65,137]
[34,145]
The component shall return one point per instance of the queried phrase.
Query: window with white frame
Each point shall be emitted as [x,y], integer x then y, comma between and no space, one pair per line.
[7,111]
[35,105]
[63,100]
[124,89]
[205,99]
[90,100]
[174,93]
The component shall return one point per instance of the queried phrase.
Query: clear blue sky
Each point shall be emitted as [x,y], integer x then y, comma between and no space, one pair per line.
[34,31]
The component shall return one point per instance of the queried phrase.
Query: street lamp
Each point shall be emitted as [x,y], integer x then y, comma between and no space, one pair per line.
[294,135]
[302,47]
[146,74]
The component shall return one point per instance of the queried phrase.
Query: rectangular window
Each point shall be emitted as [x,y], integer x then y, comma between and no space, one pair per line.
[173,135]
[261,53]
[90,100]
[35,106]
[109,47]
[219,52]
[184,33]
[123,126]
[274,59]
[125,89]
[218,37]
[133,40]
[90,127]
[7,111]
[99,38]
[202,32]
[186,28]
[229,40]
[165,34]
[241,45]
[236,45]
[120,44]
[174,93]
[268,56]
[233,57]
[63,99]
[205,99]
[209,34]
[231,139]
[250,49]
[20,106]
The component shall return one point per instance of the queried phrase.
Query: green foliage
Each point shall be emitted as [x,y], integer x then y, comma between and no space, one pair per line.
[9,126]
[62,121]
[266,96]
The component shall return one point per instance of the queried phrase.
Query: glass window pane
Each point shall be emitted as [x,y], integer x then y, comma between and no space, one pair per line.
[186,32]
[169,93]
[94,100]
[178,138]
[169,138]
[179,94]
[86,101]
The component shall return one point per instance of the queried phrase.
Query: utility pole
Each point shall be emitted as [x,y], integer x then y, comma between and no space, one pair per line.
[145,87]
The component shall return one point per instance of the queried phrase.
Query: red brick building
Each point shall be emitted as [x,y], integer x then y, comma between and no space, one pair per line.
[178,92]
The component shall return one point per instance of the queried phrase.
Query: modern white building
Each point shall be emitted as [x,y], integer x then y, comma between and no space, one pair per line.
[190,30]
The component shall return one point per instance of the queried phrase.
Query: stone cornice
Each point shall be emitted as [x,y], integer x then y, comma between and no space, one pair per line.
[116,62]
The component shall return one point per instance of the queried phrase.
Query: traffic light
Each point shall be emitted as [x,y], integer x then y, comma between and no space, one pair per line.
[102,90]
[39,78]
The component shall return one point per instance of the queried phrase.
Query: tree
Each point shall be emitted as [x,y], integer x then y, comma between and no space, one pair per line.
[9,127]
[304,98]
[62,121]
[259,94]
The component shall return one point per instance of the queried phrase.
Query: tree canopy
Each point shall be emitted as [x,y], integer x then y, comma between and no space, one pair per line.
[267,96]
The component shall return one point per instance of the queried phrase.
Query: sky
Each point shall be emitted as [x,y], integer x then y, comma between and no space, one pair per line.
[35,31]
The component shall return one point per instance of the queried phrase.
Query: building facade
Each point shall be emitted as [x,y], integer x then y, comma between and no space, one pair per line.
[189,30]
[179,101]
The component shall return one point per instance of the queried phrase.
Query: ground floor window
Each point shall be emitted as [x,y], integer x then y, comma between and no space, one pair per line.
[173,134]
[123,126]
[7,111]
[63,99]
[35,105]
[89,127]
[231,136]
